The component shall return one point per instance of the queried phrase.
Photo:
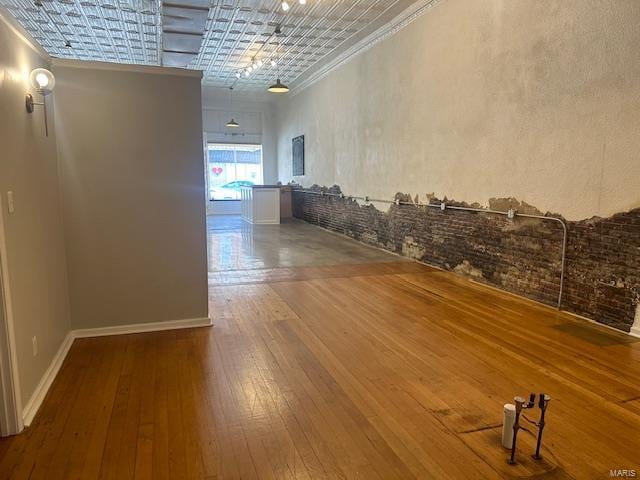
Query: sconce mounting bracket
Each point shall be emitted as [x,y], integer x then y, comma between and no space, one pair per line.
[29,103]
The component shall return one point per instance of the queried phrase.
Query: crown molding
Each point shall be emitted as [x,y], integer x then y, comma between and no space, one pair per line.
[124,67]
[13,25]
[412,13]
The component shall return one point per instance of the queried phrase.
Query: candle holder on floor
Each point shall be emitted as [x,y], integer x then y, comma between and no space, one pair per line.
[520,406]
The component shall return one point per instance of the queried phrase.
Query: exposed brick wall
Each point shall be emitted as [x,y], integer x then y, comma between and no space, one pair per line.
[603,268]
[523,256]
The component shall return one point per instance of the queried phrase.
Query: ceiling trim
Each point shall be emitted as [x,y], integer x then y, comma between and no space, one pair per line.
[124,67]
[22,34]
[398,23]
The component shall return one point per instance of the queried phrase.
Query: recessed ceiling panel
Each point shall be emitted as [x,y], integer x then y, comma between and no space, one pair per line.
[204,4]
[183,19]
[181,42]
[176,59]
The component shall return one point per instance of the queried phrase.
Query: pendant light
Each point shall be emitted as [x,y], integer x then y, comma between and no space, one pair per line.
[231,123]
[278,87]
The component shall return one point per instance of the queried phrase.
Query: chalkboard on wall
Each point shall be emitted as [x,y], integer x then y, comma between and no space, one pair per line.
[298,155]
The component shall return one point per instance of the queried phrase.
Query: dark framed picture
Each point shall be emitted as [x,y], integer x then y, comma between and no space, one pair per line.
[297,152]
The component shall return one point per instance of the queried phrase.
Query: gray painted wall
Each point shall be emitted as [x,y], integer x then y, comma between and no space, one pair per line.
[37,271]
[132,181]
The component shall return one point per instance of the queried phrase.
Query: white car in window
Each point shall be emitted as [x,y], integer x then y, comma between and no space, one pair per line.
[229,191]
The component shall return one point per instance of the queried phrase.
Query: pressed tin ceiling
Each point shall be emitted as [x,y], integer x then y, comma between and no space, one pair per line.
[131,31]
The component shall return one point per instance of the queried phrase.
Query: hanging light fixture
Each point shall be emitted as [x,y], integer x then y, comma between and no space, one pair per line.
[278,87]
[285,5]
[302,2]
[231,123]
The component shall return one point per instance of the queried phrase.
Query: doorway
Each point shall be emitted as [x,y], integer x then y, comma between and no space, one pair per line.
[229,167]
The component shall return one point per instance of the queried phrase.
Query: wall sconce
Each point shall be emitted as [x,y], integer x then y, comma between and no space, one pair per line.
[43,81]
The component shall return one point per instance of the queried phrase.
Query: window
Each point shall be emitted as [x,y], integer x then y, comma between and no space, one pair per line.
[231,167]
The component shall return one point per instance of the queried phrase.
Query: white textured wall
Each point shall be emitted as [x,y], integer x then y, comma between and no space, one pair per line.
[35,252]
[132,180]
[484,98]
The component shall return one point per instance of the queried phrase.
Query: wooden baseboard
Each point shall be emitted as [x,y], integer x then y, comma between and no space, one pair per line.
[34,403]
[31,408]
[142,327]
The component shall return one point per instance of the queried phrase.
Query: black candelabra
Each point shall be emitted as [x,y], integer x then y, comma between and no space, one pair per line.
[521,405]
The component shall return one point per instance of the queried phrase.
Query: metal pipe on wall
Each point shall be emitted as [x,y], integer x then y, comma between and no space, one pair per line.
[443,206]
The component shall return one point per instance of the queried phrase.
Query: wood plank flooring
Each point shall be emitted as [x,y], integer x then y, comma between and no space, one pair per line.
[393,371]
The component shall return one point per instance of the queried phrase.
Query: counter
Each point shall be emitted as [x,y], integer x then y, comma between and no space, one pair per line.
[260,204]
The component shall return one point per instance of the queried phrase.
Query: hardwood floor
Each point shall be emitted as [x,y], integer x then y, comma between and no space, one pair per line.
[369,371]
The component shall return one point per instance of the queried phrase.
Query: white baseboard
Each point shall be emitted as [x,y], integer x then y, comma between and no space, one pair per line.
[32,406]
[635,331]
[142,327]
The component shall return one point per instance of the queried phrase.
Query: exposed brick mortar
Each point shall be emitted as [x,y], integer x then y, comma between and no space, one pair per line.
[602,272]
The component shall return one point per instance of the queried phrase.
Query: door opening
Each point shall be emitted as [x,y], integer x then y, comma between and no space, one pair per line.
[231,167]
